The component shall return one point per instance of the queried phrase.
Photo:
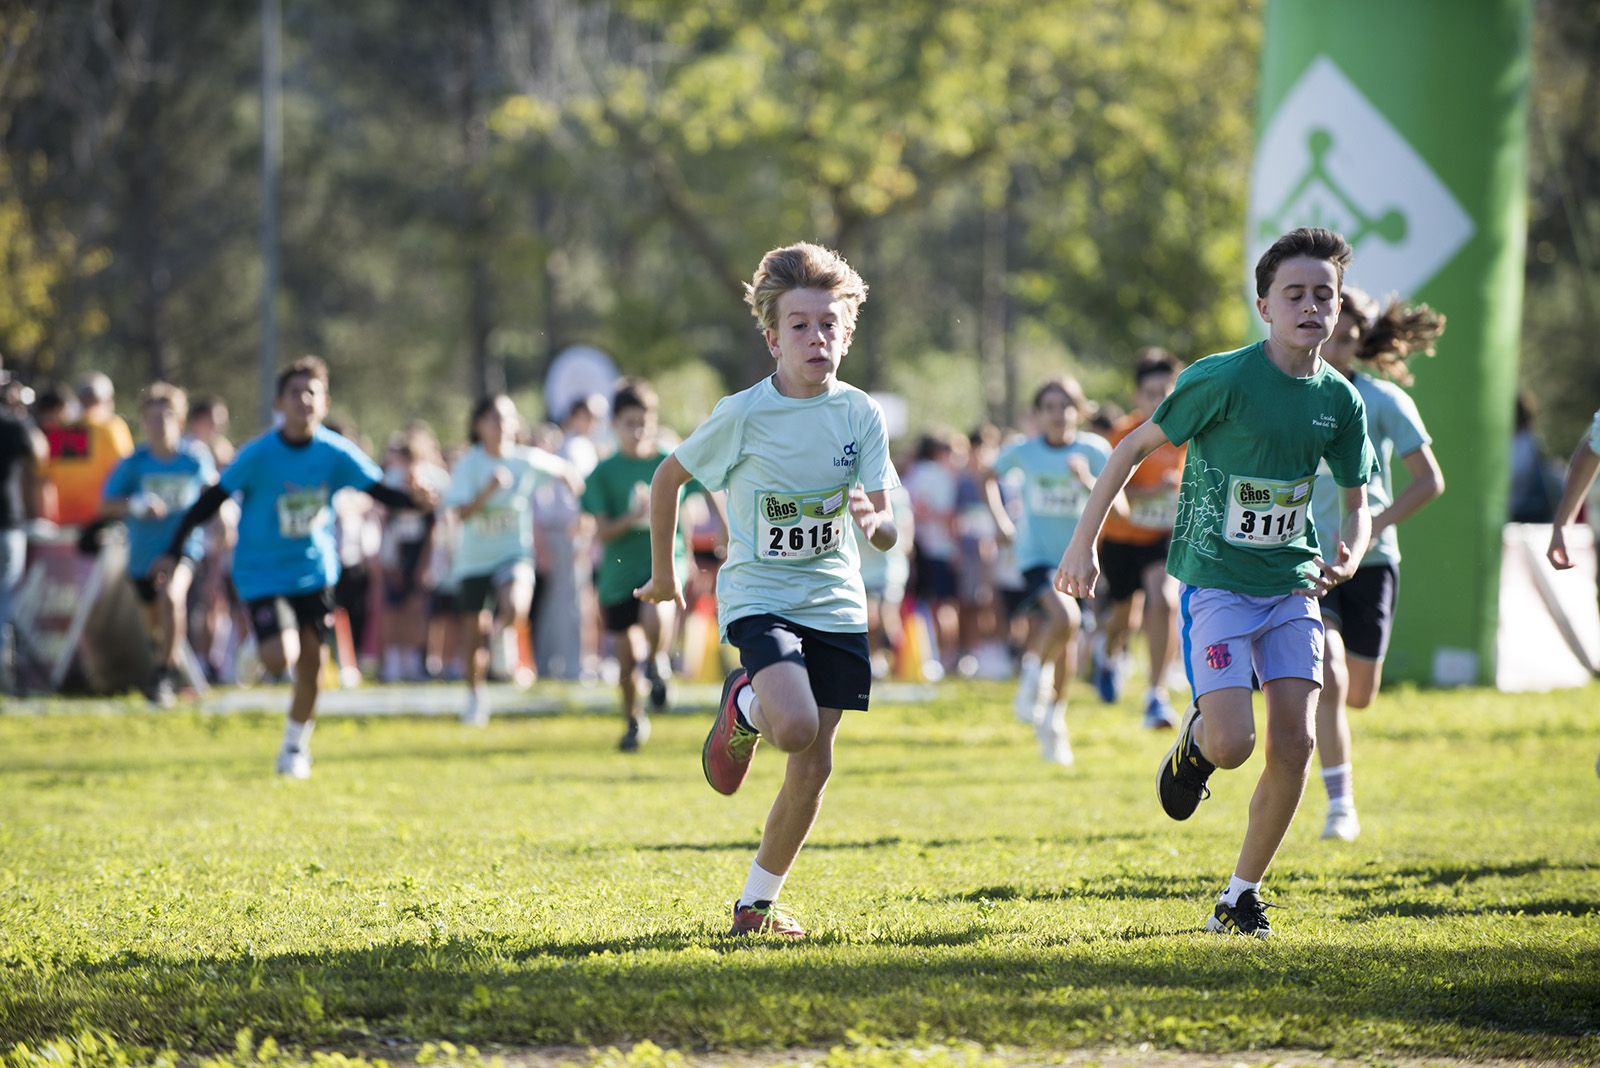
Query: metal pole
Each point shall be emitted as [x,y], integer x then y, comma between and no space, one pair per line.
[271,156]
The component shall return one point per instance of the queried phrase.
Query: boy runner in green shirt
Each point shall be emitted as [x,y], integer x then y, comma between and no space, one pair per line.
[617,494]
[1257,422]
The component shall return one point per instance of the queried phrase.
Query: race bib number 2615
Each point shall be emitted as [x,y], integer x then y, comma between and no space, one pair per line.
[799,526]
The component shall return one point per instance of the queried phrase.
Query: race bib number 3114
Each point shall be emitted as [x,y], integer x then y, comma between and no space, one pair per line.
[800,526]
[1264,512]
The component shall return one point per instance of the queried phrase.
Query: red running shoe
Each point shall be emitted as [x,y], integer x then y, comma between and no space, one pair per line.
[764,917]
[728,748]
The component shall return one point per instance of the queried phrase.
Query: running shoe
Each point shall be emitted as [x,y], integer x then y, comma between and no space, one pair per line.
[659,694]
[1107,680]
[1248,916]
[1181,783]
[764,917]
[1026,704]
[294,763]
[729,747]
[1159,714]
[1051,731]
[1342,823]
[637,734]
[476,712]
[160,691]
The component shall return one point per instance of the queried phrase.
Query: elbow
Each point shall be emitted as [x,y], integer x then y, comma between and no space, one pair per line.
[1436,484]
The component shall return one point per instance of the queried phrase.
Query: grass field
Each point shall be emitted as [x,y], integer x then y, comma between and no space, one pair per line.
[527,886]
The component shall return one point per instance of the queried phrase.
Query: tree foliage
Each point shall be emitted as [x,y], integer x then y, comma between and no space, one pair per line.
[1028,185]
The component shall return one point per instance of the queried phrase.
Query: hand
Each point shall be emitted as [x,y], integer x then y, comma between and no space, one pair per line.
[1330,575]
[660,590]
[862,510]
[1079,467]
[1557,553]
[641,502]
[1079,570]
[424,496]
[161,570]
[499,480]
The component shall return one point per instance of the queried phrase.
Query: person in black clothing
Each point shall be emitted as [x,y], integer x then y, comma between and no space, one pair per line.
[22,452]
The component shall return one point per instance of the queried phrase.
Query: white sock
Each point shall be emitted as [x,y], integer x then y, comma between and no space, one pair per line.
[391,664]
[1157,693]
[1030,664]
[745,701]
[1236,886]
[297,736]
[1337,782]
[762,885]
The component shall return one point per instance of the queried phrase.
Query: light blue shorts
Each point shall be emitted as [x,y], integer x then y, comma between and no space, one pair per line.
[1226,635]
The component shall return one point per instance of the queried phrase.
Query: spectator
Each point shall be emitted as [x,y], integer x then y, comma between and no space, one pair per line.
[23,453]
[1532,499]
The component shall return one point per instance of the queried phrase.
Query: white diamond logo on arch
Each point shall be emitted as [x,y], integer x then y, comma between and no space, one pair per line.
[1329,158]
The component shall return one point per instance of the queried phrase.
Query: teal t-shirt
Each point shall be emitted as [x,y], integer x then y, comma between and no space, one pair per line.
[1052,496]
[1255,437]
[1394,428]
[500,532]
[787,464]
[610,493]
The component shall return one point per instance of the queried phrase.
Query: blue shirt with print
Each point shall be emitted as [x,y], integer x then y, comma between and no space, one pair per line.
[286,545]
[176,482]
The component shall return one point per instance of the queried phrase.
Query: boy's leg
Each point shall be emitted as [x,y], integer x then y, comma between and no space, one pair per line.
[1291,706]
[172,608]
[1060,637]
[307,675]
[1333,740]
[799,799]
[513,605]
[657,620]
[630,643]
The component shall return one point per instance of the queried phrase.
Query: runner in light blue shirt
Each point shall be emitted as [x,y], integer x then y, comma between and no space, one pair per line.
[1052,474]
[1359,615]
[149,491]
[286,557]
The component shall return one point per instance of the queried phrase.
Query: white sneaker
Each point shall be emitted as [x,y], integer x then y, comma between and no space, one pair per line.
[1026,704]
[294,763]
[1342,824]
[1051,731]
[476,714]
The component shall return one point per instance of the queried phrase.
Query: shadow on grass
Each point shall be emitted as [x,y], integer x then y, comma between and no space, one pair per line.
[1556,907]
[705,989]
[1128,886]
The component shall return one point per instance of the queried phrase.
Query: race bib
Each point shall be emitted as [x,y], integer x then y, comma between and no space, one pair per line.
[175,492]
[1158,511]
[1056,496]
[299,511]
[493,521]
[1263,512]
[800,526]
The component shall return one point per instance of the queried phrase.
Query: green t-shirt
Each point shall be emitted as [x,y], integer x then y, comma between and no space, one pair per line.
[1255,437]
[608,494]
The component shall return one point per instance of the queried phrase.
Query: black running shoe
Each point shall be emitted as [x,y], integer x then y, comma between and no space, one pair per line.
[659,694]
[1182,781]
[1246,917]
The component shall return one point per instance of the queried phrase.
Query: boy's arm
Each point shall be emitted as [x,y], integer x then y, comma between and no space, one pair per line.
[200,512]
[1355,533]
[663,586]
[1580,473]
[1004,529]
[872,514]
[1080,566]
[1427,482]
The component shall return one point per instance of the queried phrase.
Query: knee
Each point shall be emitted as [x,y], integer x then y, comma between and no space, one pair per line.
[793,734]
[1292,748]
[1357,698]
[1229,750]
[272,658]
[813,771]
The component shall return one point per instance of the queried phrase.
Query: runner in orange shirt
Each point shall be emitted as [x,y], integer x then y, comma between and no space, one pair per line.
[1133,551]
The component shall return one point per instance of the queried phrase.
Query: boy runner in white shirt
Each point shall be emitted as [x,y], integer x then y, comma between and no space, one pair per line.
[800,455]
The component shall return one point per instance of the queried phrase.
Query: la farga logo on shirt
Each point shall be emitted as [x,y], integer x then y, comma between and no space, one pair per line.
[848,459]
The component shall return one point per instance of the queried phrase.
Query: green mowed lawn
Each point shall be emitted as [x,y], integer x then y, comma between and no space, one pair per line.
[527,885]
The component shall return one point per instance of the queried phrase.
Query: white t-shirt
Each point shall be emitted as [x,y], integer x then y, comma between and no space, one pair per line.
[787,464]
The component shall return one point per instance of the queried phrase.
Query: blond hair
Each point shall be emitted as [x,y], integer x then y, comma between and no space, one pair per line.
[802,266]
